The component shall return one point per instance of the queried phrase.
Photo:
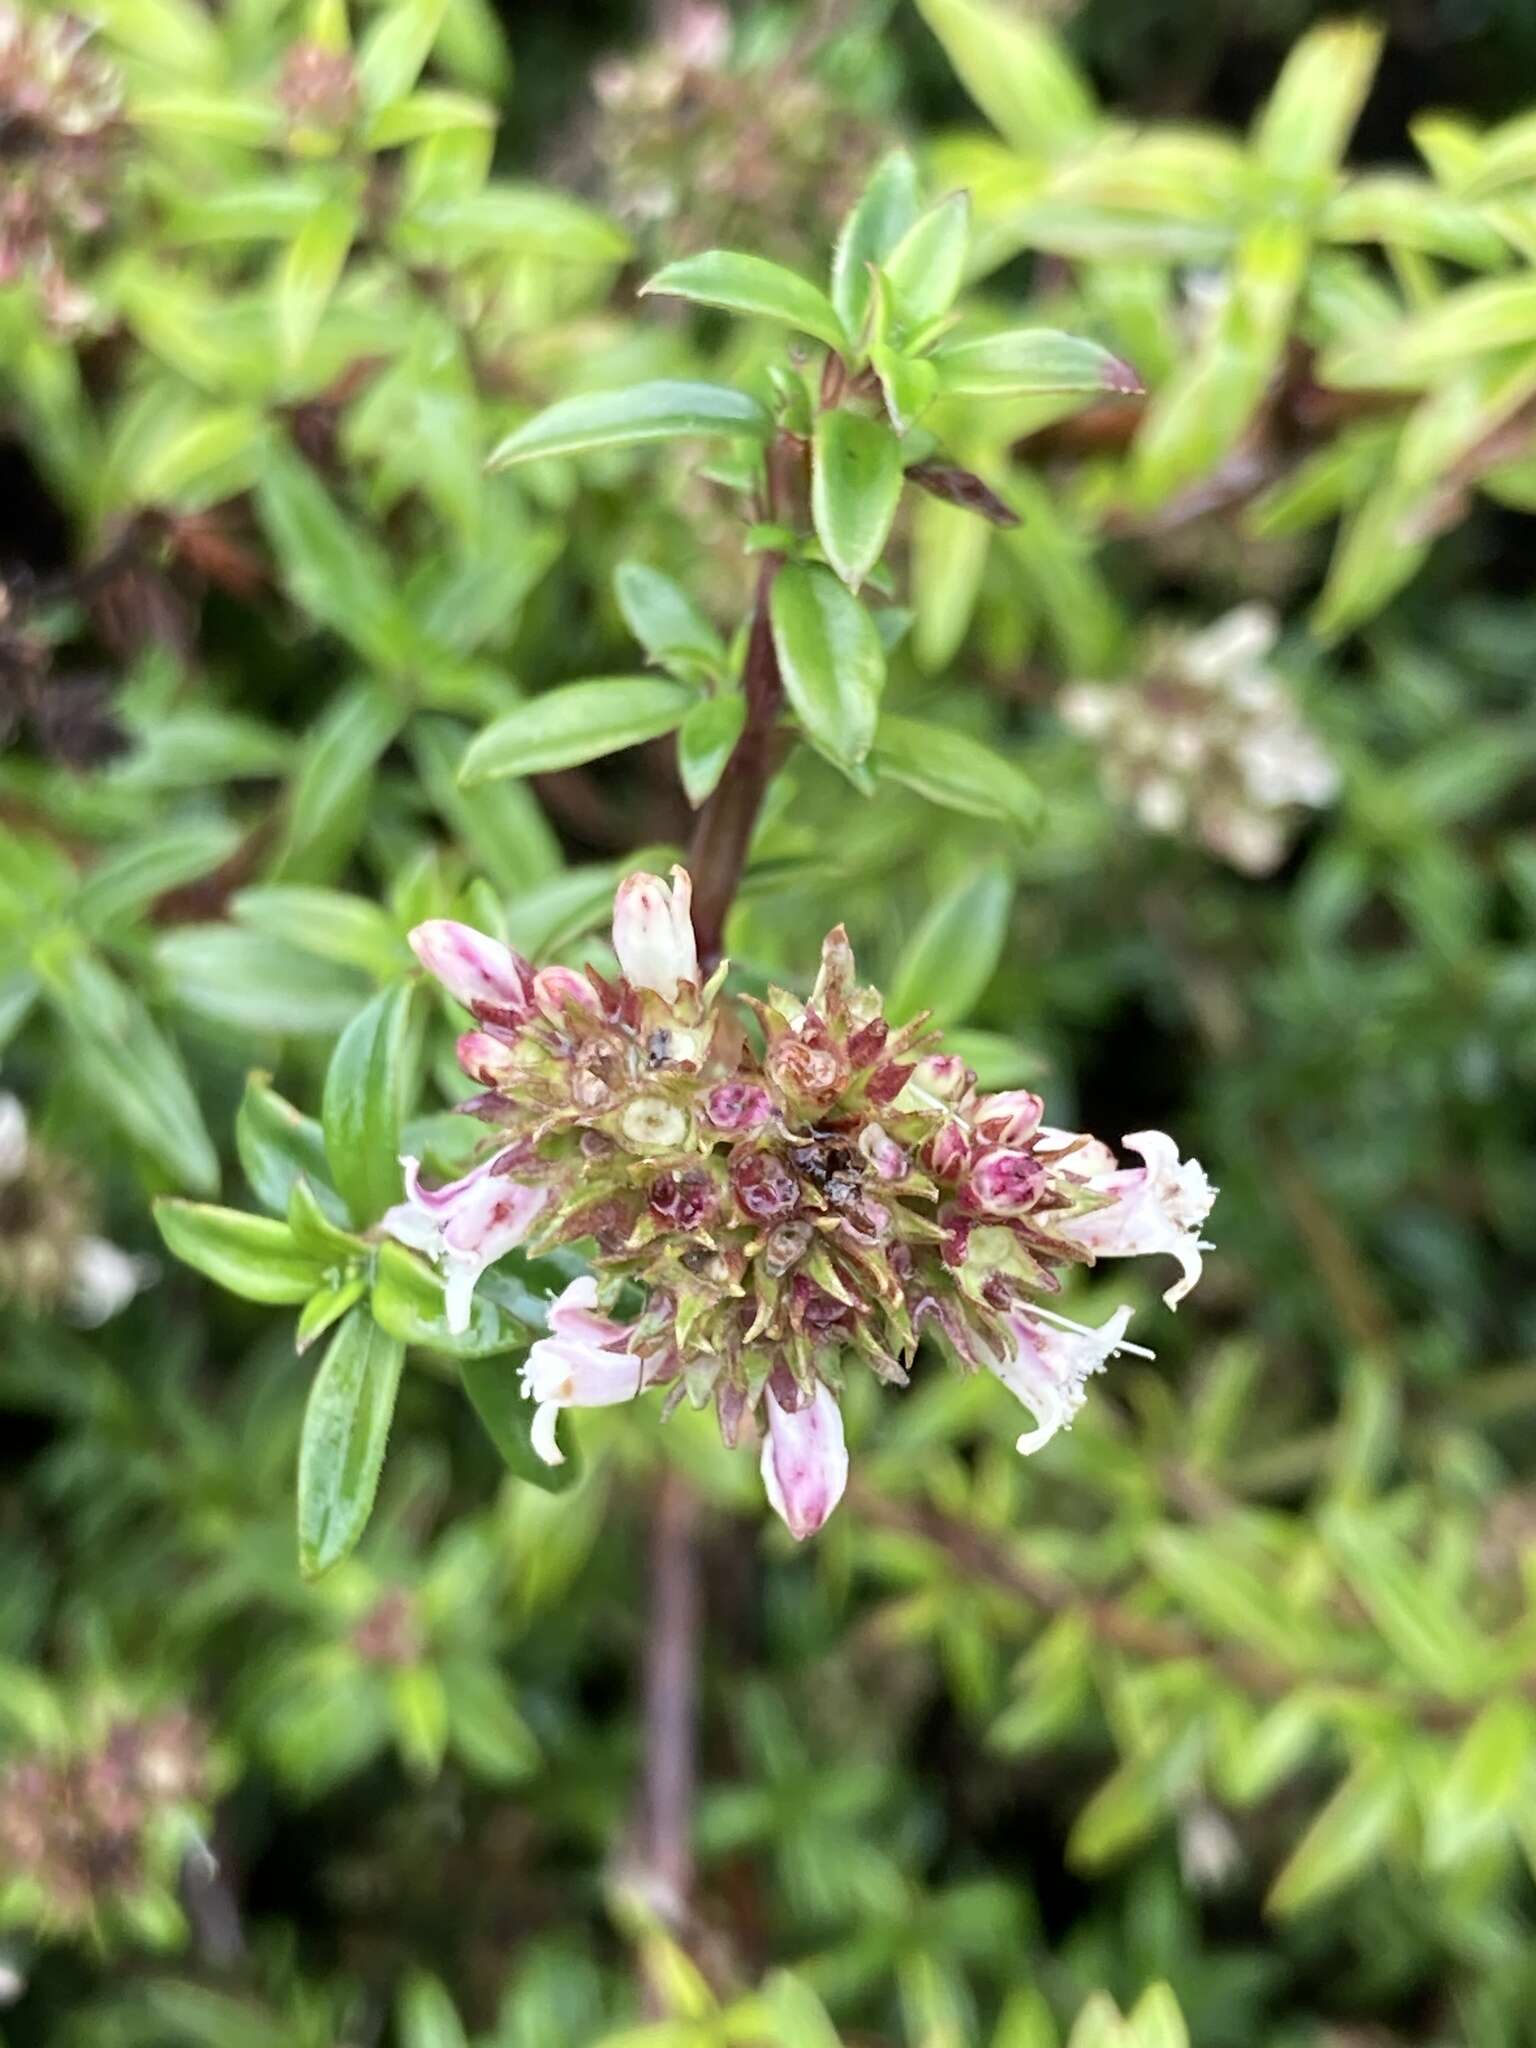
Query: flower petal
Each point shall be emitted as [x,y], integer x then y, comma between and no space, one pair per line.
[653,932]
[805,1460]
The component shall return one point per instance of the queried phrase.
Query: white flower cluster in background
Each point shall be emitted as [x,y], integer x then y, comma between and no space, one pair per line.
[1209,743]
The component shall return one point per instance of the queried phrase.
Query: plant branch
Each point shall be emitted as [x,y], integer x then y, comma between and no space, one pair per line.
[670,1706]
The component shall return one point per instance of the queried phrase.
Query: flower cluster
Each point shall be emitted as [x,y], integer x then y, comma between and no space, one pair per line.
[51,1261]
[819,1192]
[86,1829]
[59,125]
[689,139]
[1208,740]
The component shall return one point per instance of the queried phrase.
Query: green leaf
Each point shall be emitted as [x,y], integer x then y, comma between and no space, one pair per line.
[665,410]
[706,739]
[856,476]
[253,123]
[926,266]
[426,114]
[752,285]
[333,569]
[308,274]
[947,963]
[327,922]
[831,661]
[346,1428]
[952,769]
[496,1395]
[427,2017]
[1155,2020]
[256,985]
[325,1308]
[667,622]
[1472,1801]
[499,823]
[485,1729]
[396,46]
[327,798]
[256,1257]
[1427,1628]
[129,1068]
[949,548]
[909,384]
[1026,359]
[364,1101]
[798,2014]
[1346,1836]
[277,1144]
[574,723]
[508,220]
[1017,72]
[1304,127]
[886,208]
[123,885]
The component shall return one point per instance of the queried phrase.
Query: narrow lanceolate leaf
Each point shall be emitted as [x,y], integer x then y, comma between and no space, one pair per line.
[831,660]
[1016,71]
[308,274]
[1345,1838]
[1464,324]
[667,409]
[1427,1629]
[1473,1800]
[706,740]
[398,43]
[952,769]
[750,284]
[363,1102]
[1317,99]
[1025,359]
[925,267]
[953,954]
[346,1427]
[885,210]
[256,1257]
[667,622]
[577,722]
[855,488]
[277,1145]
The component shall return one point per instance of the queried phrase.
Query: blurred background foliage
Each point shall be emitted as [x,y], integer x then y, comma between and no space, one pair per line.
[1234,1692]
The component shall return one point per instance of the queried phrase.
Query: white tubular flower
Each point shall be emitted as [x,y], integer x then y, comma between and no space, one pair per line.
[582,1363]
[653,932]
[805,1460]
[1158,1207]
[1050,1364]
[465,1226]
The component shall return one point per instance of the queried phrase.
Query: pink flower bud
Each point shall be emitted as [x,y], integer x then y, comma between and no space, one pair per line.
[805,1460]
[582,1363]
[558,989]
[1158,1207]
[949,1151]
[737,1106]
[482,974]
[888,1158]
[486,1058]
[1009,1118]
[764,1186]
[1007,1183]
[653,932]
[941,1076]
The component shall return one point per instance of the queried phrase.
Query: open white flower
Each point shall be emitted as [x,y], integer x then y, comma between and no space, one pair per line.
[1050,1363]
[582,1363]
[1158,1207]
[465,1226]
